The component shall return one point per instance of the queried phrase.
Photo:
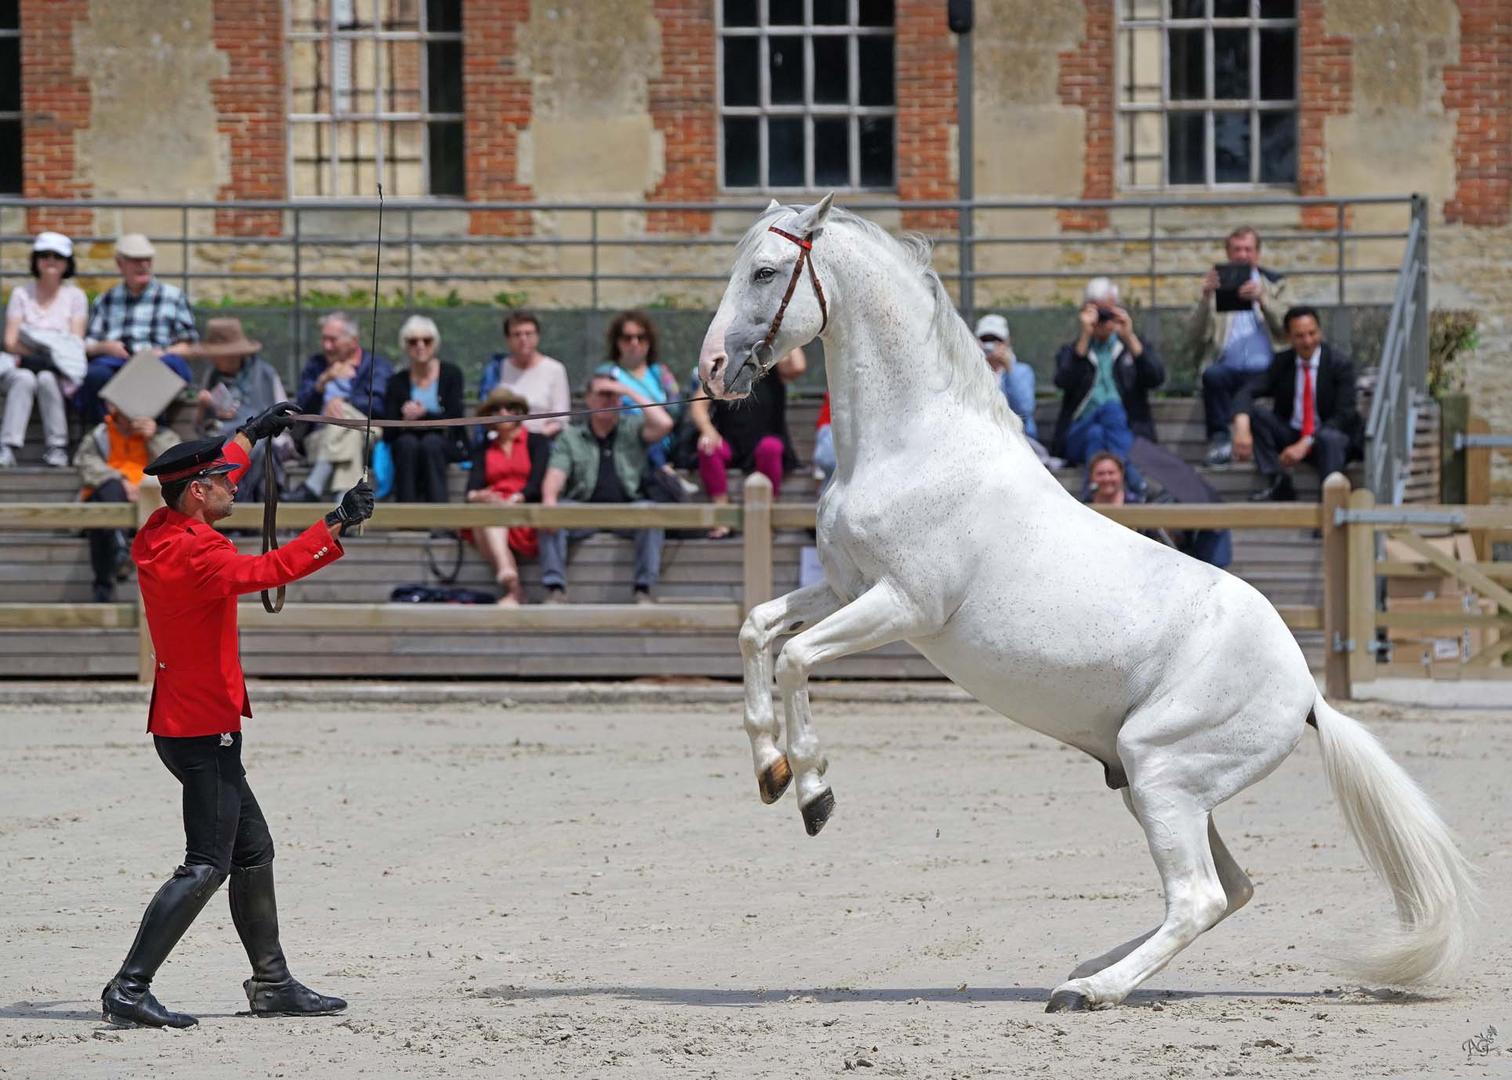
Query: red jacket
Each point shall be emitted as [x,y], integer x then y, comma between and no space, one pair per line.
[190,576]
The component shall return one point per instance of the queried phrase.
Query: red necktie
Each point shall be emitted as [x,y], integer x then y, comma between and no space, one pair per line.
[1309,413]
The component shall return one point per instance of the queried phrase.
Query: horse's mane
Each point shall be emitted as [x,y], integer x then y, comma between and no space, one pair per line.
[970,379]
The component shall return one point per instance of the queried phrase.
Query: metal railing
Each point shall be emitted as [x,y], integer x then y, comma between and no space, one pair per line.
[1403,371]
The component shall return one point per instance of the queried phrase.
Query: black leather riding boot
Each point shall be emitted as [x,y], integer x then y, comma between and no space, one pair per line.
[271,991]
[126,998]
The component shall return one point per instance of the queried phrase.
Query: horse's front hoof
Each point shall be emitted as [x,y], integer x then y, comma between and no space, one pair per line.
[774,780]
[1068,1001]
[817,812]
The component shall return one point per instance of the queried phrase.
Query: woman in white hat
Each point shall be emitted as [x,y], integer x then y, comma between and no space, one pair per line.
[51,313]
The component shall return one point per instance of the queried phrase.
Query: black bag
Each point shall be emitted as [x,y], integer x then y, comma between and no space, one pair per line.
[438,594]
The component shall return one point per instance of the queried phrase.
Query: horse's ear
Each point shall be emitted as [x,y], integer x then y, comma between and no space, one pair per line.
[773,205]
[811,221]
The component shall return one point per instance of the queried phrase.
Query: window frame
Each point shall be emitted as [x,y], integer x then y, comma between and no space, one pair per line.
[1252,105]
[807,110]
[375,119]
[18,114]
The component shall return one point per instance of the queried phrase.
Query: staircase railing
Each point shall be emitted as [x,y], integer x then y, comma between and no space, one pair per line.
[1403,372]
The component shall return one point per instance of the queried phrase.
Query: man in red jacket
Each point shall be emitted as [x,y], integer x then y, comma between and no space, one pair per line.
[191,576]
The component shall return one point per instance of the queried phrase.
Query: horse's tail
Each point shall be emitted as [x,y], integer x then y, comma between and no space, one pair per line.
[1408,845]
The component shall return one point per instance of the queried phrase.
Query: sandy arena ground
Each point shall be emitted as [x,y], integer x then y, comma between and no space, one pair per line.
[597,892]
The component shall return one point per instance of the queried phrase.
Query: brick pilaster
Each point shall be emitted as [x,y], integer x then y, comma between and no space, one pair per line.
[250,107]
[1325,87]
[925,63]
[683,108]
[1087,81]
[1478,93]
[55,105]
[497,99]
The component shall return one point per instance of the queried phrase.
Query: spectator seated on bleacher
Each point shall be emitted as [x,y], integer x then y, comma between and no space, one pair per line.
[238,384]
[43,359]
[540,379]
[632,359]
[139,313]
[1313,416]
[602,459]
[428,389]
[751,434]
[1015,379]
[1235,333]
[342,380]
[1106,376]
[508,466]
[110,460]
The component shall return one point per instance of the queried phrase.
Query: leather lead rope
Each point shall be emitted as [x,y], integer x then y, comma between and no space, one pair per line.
[272,605]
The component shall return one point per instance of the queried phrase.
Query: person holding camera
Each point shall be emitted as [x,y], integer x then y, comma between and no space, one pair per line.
[1106,376]
[1237,326]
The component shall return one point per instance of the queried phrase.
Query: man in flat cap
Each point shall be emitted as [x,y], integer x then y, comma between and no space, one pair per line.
[190,576]
[139,313]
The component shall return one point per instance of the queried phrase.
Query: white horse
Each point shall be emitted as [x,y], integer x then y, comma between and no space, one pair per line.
[942,529]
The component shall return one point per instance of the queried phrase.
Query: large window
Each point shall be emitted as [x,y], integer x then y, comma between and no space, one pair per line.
[10,97]
[376,94]
[806,97]
[1207,93]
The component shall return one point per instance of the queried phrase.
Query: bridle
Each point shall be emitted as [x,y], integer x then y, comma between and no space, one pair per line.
[805,259]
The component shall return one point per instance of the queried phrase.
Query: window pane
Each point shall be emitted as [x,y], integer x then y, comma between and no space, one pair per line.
[832,153]
[10,74]
[10,17]
[831,70]
[1231,148]
[742,148]
[877,151]
[1141,9]
[831,12]
[1278,148]
[10,157]
[785,13]
[785,152]
[447,176]
[785,68]
[1186,141]
[401,76]
[1188,61]
[1142,149]
[875,61]
[1231,9]
[875,13]
[1278,9]
[741,85]
[443,16]
[1231,64]
[1141,65]
[1278,65]
[740,12]
[444,76]
[1187,9]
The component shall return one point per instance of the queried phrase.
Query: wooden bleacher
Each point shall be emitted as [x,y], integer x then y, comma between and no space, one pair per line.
[53,567]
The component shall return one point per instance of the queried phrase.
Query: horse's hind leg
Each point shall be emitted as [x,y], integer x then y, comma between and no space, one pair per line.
[766,623]
[877,617]
[1237,891]
[1177,830]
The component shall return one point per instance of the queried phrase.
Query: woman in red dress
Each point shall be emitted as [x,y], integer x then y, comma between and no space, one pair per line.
[507,467]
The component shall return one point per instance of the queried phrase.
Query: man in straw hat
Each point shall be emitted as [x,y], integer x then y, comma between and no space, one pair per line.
[191,576]
[237,384]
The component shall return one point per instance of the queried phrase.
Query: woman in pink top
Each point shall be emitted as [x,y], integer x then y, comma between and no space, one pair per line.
[47,303]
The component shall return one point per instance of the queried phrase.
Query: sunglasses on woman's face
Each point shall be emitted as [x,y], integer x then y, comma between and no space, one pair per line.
[420,341]
[634,337]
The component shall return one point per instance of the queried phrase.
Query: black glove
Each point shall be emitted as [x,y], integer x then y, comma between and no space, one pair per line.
[269,422]
[356,506]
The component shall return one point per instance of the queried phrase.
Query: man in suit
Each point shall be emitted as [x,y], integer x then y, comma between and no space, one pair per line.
[1312,418]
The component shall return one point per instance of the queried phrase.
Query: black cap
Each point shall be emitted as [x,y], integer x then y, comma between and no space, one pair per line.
[191,461]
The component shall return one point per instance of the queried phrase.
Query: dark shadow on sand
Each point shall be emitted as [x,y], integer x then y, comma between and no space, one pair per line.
[49,1010]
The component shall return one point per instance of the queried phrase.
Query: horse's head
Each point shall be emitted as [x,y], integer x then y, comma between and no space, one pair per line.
[773,304]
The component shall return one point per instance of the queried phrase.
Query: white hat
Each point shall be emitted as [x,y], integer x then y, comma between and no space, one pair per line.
[134,245]
[54,242]
[992,326]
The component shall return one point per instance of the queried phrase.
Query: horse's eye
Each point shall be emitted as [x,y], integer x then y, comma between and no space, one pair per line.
[766,273]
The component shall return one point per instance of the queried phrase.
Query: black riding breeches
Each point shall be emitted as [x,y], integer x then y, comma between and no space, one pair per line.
[223,825]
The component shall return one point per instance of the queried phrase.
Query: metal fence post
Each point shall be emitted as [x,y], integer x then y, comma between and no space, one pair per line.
[1478,481]
[1362,599]
[756,538]
[1420,326]
[1336,639]
[296,337]
[149,498]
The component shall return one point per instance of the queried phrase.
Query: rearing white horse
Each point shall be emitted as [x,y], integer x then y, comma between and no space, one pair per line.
[942,529]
